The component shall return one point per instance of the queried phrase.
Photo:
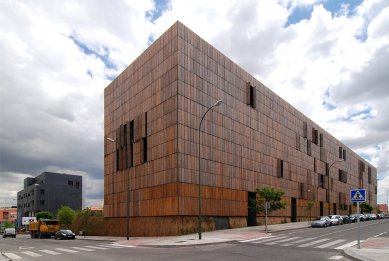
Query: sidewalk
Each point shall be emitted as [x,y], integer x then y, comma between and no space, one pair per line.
[373,249]
[212,237]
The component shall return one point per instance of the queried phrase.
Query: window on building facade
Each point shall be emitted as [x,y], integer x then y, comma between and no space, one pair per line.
[144,149]
[344,155]
[250,95]
[42,202]
[280,168]
[77,184]
[305,129]
[369,174]
[42,191]
[321,139]
[70,182]
[315,134]
[314,165]
[309,149]
[297,141]
[321,180]
[342,176]
[302,190]
[340,153]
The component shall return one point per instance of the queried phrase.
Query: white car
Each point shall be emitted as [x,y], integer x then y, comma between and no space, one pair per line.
[9,232]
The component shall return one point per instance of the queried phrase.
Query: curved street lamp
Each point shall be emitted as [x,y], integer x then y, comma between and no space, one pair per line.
[329,185]
[199,186]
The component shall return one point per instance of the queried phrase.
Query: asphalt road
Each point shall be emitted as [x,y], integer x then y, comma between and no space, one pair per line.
[301,244]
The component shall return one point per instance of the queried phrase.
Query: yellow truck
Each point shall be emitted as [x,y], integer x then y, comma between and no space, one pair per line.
[43,228]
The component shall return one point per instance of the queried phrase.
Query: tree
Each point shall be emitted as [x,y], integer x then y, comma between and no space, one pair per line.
[8,224]
[44,215]
[309,207]
[271,196]
[84,215]
[366,208]
[65,216]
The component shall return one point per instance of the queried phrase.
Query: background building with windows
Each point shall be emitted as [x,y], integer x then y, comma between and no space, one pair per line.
[8,214]
[253,139]
[48,192]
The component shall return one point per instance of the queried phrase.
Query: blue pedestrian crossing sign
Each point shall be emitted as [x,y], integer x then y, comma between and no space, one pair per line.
[358,195]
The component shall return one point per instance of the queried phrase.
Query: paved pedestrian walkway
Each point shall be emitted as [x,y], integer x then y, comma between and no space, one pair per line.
[373,249]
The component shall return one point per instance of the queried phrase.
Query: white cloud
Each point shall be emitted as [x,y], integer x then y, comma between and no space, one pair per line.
[51,86]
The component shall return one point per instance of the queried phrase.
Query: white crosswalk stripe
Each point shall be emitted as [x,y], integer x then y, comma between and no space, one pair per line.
[299,241]
[96,247]
[111,245]
[286,240]
[50,252]
[67,250]
[12,256]
[348,245]
[256,239]
[269,239]
[32,254]
[331,243]
[314,242]
[83,249]
[59,251]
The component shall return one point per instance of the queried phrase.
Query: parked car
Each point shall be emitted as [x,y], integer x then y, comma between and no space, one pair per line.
[9,232]
[362,217]
[336,220]
[323,221]
[386,215]
[64,234]
[381,216]
[346,219]
[373,216]
[353,218]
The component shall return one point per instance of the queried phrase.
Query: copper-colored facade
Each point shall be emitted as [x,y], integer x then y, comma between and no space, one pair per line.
[253,139]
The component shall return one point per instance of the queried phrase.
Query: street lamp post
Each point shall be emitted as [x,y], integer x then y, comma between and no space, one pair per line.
[128,200]
[329,185]
[199,186]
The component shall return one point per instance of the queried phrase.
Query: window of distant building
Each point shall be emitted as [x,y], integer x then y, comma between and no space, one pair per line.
[70,182]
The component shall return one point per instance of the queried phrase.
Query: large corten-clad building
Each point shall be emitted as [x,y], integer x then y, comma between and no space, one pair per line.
[253,139]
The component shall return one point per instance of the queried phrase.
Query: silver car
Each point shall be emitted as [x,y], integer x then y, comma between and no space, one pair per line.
[323,221]
[336,220]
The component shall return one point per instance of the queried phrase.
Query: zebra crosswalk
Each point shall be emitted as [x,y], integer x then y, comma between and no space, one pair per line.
[58,251]
[312,242]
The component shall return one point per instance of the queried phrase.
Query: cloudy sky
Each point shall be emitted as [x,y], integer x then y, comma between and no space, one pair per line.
[327,58]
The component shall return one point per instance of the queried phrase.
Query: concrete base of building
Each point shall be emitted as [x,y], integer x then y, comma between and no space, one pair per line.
[169,225]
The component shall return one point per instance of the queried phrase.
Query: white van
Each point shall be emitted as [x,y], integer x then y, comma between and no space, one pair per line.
[9,232]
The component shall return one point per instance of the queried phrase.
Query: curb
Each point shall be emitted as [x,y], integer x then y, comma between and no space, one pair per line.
[191,245]
[350,253]
[3,257]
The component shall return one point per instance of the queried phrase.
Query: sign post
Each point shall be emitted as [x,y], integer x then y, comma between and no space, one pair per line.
[266,208]
[358,195]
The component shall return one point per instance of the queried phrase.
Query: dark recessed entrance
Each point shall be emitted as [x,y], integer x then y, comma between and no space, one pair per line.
[293,214]
[252,213]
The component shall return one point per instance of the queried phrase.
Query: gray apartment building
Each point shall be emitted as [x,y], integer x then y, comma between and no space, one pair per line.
[48,192]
